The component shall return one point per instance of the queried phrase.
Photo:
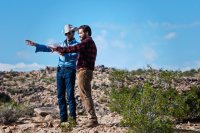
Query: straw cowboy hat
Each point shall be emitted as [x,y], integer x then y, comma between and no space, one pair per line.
[69,27]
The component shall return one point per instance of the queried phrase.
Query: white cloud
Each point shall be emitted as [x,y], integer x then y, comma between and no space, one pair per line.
[170,36]
[20,67]
[149,54]
[101,40]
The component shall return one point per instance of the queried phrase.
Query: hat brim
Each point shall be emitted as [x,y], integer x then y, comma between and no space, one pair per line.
[73,29]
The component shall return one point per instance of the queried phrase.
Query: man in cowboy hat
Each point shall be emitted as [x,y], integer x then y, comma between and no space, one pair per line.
[66,73]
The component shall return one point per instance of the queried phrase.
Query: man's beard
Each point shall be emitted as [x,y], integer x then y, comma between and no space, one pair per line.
[83,37]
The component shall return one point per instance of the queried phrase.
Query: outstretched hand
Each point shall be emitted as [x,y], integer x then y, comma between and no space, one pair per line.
[30,43]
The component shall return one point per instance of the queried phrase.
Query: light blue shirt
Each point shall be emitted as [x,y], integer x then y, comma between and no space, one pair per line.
[67,60]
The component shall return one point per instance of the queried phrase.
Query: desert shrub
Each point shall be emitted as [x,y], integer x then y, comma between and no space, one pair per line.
[119,75]
[10,112]
[138,72]
[22,79]
[147,109]
[49,80]
[191,72]
[150,106]
[4,98]
[13,73]
[192,99]
[12,91]
[119,99]
[167,76]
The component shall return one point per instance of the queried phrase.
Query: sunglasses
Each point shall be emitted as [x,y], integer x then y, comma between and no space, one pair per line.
[68,34]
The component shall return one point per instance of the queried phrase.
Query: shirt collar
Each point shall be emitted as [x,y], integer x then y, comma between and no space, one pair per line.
[71,42]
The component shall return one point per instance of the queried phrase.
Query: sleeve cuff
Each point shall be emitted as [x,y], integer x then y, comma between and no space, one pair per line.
[36,48]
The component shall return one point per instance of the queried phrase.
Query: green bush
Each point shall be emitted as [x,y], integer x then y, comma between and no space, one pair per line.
[191,72]
[153,104]
[119,75]
[148,109]
[4,98]
[12,91]
[192,99]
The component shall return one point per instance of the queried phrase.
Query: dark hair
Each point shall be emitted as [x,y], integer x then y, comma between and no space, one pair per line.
[86,28]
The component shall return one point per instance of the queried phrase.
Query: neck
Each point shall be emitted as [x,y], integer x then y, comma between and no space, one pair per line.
[69,40]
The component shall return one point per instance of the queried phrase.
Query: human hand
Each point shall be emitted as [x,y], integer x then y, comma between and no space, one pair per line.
[30,43]
[55,48]
[52,47]
[60,50]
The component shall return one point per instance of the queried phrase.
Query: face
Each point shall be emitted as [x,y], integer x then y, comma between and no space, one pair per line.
[82,35]
[69,35]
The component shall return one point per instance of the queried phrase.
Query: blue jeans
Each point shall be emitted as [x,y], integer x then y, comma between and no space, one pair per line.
[65,89]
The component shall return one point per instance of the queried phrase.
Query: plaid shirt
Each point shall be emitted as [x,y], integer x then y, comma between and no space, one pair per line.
[87,53]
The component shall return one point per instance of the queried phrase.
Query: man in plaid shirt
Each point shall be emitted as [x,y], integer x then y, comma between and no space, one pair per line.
[86,63]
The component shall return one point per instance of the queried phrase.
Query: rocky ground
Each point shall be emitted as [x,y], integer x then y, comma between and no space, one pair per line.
[38,88]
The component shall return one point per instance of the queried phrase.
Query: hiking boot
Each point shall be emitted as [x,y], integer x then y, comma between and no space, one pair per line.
[91,123]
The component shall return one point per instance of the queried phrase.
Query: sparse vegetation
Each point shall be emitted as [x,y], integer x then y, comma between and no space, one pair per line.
[192,99]
[68,126]
[152,104]
[49,80]
[4,98]
[12,111]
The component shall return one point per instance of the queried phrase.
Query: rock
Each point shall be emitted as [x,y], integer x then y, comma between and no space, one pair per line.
[48,118]
[41,131]
[27,126]
[43,111]
[38,119]
[56,123]
[2,130]
[8,130]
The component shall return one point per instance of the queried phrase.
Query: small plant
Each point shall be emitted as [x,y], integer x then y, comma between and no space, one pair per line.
[49,80]
[68,126]
[12,91]
[4,98]
[13,73]
[10,112]
[22,79]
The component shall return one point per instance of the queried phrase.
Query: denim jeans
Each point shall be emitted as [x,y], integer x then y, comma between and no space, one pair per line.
[65,92]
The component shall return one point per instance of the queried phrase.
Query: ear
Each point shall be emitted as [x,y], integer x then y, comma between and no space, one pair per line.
[87,34]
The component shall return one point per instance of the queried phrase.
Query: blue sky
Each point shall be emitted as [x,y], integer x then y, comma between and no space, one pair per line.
[129,34]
